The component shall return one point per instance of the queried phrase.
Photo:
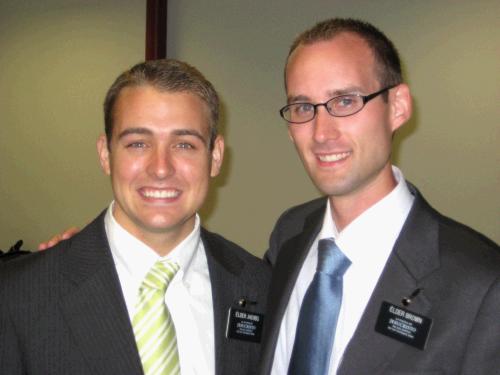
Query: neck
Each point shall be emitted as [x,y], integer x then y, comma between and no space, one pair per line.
[162,245]
[346,208]
[162,240]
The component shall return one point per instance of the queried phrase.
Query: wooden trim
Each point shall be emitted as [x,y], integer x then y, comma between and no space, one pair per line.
[156,29]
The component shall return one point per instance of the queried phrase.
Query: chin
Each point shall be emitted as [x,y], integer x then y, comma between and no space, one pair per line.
[160,225]
[334,189]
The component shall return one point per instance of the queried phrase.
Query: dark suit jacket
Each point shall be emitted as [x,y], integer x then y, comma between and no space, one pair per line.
[62,311]
[457,268]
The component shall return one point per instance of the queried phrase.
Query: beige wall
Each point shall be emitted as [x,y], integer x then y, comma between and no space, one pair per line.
[51,114]
[57,59]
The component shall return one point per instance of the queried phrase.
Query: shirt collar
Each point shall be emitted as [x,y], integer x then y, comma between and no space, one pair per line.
[380,223]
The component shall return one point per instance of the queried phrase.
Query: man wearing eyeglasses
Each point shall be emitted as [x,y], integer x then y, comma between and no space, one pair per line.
[369,279]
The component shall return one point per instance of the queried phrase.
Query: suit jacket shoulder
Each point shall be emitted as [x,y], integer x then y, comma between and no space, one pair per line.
[453,232]
[292,223]
[235,258]
[442,239]
[62,311]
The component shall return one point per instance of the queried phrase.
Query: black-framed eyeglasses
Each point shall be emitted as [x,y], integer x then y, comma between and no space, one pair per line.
[338,106]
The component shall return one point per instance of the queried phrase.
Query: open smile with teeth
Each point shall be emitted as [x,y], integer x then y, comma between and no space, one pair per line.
[333,157]
[160,194]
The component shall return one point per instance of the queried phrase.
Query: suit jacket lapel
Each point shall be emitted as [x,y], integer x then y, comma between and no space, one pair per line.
[224,269]
[285,273]
[94,308]
[228,287]
[415,255]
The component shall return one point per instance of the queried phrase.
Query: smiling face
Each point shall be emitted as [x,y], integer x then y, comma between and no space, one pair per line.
[160,163]
[347,158]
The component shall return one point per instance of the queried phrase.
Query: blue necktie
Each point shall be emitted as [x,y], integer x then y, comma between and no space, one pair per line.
[319,313]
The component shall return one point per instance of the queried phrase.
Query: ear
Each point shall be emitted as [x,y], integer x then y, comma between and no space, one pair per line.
[401,105]
[103,152]
[217,156]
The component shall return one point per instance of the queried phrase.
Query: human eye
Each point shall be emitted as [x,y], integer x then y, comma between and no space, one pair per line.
[301,108]
[136,145]
[344,105]
[345,101]
[185,146]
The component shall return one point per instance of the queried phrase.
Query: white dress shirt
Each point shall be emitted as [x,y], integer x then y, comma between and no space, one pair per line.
[367,242]
[188,297]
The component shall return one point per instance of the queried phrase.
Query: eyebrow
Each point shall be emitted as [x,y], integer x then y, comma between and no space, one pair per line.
[190,132]
[345,91]
[129,131]
[146,131]
[298,99]
[331,94]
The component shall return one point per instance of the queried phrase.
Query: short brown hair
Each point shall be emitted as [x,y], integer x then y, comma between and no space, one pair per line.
[386,55]
[165,75]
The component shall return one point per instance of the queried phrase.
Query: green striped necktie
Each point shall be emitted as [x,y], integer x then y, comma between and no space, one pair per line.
[153,327]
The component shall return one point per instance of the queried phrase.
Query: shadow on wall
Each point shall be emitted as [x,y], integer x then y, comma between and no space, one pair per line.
[407,129]
[404,132]
[210,205]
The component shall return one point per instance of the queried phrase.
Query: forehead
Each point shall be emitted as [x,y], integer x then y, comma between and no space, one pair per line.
[343,62]
[146,106]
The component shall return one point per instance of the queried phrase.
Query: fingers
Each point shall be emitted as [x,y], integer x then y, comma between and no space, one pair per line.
[68,233]
[53,241]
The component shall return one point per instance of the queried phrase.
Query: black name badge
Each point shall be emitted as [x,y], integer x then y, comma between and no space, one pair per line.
[244,325]
[403,325]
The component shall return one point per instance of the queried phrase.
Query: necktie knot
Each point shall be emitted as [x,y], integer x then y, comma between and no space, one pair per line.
[160,275]
[331,259]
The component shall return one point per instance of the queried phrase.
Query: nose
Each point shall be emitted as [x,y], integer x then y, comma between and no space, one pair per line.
[325,126]
[161,164]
